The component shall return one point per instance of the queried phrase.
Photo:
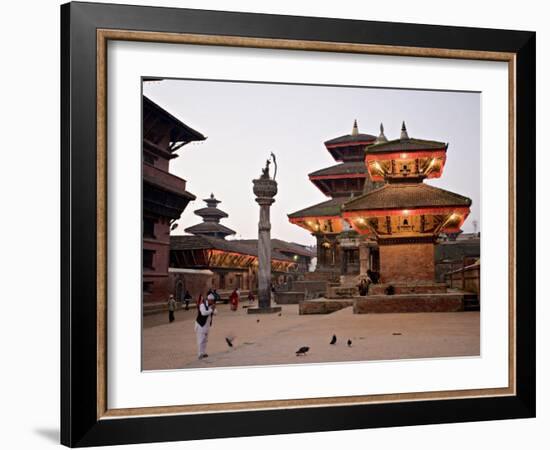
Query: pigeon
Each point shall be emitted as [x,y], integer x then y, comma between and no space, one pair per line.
[280,314]
[257,320]
[229,341]
[333,340]
[302,351]
[349,342]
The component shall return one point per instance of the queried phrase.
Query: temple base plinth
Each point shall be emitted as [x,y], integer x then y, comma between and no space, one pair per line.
[268,310]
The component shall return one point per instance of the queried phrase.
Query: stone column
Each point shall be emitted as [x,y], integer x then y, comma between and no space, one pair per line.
[265,190]
[364,258]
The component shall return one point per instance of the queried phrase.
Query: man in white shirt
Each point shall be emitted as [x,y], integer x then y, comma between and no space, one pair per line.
[203,323]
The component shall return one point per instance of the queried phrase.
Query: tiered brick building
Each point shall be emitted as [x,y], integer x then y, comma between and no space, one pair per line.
[164,194]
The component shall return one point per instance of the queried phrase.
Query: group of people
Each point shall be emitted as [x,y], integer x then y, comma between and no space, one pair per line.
[235,298]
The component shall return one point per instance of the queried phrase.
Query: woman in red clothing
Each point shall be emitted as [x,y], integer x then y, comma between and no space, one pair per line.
[234,299]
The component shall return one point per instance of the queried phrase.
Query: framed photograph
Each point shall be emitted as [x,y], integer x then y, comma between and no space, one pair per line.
[292,224]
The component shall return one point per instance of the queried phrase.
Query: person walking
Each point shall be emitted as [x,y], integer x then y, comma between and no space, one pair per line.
[234,299]
[217,297]
[205,316]
[187,298]
[171,308]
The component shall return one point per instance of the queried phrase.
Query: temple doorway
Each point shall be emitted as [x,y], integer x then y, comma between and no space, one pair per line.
[180,291]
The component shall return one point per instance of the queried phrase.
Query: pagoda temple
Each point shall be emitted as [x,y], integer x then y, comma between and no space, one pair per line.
[406,215]
[211,216]
[337,246]
[205,259]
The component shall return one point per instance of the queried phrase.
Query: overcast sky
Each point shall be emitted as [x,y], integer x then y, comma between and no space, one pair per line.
[244,122]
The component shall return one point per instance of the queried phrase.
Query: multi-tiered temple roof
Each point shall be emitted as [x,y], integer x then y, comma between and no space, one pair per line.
[405,207]
[405,158]
[340,182]
[211,216]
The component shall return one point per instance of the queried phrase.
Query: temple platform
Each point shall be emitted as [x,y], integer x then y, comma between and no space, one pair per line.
[453,301]
[342,291]
[268,310]
[310,288]
[409,288]
[404,303]
[289,298]
[323,305]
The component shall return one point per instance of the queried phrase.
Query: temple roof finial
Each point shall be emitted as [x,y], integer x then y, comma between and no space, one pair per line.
[404,134]
[381,137]
[355,129]
[211,201]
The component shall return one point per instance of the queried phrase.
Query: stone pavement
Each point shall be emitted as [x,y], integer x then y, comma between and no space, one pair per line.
[275,339]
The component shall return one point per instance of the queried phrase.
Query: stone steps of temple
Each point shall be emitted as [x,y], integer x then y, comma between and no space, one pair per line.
[346,291]
[310,288]
[322,276]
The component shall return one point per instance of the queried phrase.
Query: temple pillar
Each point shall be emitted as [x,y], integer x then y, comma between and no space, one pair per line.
[364,258]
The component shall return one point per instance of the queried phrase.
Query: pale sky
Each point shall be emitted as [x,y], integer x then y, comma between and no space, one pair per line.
[244,122]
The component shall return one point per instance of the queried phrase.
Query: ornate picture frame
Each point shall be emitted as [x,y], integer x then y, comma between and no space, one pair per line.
[86,418]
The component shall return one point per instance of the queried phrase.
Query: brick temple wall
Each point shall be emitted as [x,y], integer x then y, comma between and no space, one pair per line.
[407,262]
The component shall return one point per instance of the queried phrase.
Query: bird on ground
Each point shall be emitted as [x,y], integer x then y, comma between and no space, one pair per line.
[302,351]
[280,314]
[229,341]
[257,320]
[349,342]
[333,340]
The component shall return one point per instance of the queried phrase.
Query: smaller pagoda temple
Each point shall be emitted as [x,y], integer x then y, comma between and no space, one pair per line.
[211,216]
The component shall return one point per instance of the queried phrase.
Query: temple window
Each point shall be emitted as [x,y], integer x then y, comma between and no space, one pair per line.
[148,256]
[148,227]
[147,287]
[149,159]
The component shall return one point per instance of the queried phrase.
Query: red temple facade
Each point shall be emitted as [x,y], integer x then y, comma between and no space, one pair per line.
[405,215]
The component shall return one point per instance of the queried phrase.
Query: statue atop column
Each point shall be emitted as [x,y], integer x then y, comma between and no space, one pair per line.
[265,189]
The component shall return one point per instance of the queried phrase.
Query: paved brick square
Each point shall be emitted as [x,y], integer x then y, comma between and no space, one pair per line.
[275,338]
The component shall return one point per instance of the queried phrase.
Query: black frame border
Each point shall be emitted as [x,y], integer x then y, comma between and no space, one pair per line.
[79,424]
